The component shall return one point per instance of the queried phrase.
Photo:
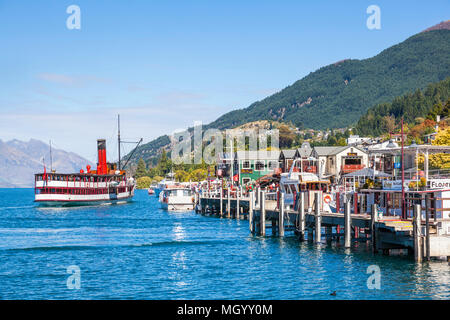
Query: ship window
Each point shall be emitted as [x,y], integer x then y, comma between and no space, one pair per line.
[186,193]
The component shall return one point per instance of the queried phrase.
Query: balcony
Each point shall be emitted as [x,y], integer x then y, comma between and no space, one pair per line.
[347,168]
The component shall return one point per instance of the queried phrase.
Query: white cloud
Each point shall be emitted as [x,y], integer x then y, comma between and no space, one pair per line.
[72,80]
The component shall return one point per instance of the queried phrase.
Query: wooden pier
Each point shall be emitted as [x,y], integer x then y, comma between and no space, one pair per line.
[389,235]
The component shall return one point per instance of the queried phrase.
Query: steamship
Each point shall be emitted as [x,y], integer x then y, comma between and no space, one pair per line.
[108,184]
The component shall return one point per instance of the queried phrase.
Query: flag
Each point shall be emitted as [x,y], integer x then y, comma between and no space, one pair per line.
[45,174]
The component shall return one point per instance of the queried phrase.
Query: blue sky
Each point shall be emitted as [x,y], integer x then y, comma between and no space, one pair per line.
[165,64]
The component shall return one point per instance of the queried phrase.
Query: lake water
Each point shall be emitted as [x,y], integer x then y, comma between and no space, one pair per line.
[138,251]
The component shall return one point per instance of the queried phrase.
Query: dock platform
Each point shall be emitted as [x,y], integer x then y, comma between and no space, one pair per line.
[388,234]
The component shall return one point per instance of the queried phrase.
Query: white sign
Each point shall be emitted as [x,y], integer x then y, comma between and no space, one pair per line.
[395,185]
[439,184]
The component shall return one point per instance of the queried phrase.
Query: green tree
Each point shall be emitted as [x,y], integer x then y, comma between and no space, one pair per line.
[342,142]
[286,136]
[182,176]
[143,182]
[141,169]
[199,174]
[165,164]
[331,141]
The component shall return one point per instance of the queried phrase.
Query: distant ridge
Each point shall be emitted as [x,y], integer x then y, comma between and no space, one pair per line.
[20,160]
[444,25]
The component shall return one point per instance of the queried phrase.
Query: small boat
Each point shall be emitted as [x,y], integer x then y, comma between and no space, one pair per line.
[168,180]
[303,181]
[151,191]
[176,198]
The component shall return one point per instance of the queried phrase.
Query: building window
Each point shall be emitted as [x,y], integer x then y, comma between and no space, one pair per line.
[246,180]
[246,164]
[259,165]
[273,165]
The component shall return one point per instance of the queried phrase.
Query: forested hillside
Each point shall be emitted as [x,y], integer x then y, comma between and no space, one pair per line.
[429,102]
[338,94]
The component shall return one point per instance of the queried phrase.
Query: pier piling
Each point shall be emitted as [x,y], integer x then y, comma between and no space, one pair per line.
[237,202]
[318,217]
[347,225]
[257,198]
[427,228]
[250,211]
[262,215]
[329,233]
[301,211]
[373,232]
[221,202]
[417,234]
[229,203]
[281,217]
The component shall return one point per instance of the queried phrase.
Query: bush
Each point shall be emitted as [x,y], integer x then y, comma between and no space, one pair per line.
[143,182]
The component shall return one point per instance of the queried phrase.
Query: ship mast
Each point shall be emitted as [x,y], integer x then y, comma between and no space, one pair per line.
[120,142]
[118,138]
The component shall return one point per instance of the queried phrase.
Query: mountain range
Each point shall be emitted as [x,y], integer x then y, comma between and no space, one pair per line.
[20,160]
[337,95]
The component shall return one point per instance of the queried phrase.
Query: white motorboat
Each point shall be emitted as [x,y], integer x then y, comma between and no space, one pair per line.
[177,198]
[296,181]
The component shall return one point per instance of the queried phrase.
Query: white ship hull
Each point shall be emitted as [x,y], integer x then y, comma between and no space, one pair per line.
[177,206]
[81,200]
[176,200]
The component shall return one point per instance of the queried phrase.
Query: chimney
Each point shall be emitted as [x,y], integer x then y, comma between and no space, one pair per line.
[102,167]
